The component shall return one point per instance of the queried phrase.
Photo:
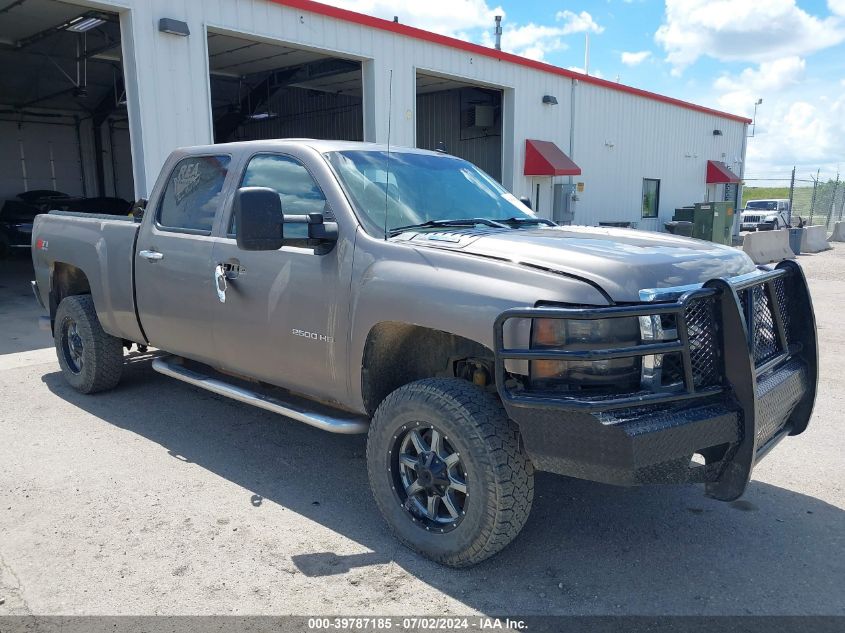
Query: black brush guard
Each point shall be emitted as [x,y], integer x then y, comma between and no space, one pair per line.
[766,387]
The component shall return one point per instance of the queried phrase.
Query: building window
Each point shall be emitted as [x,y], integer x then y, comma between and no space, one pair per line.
[651,197]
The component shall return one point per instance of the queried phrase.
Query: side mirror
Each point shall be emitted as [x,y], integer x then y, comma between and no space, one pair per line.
[258,219]
[319,229]
[526,201]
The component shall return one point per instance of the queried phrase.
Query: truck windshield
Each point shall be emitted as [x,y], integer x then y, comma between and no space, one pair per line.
[422,188]
[761,205]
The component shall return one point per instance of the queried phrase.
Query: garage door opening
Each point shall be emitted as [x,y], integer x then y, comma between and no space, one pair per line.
[64,133]
[261,90]
[463,119]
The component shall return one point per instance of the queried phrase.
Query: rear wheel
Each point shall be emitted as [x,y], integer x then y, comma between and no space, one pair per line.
[90,359]
[446,471]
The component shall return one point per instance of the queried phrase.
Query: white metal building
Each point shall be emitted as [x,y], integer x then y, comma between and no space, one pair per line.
[94,96]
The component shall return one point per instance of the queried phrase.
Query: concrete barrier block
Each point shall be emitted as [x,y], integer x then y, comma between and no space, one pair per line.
[838,232]
[815,239]
[766,247]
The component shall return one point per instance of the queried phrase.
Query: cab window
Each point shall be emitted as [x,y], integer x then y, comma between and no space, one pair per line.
[192,196]
[298,191]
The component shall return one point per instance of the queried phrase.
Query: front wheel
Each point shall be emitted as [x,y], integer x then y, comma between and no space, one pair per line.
[447,472]
[91,360]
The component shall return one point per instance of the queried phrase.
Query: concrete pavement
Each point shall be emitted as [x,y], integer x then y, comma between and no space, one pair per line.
[159,498]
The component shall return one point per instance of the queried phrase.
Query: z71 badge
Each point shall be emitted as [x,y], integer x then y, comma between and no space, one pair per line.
[314,336]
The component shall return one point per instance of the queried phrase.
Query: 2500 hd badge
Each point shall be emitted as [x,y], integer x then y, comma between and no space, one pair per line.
[312,335]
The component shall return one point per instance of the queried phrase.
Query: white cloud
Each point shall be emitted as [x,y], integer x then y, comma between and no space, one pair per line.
[473,20]
[744,30]
[580,69]
[836,6]
[577,22]
[529,40]
[447,17]
[806,133]
[535,41]
[797,124]
[739,92]
[634,59]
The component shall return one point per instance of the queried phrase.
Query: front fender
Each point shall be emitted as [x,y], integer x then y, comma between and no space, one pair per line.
[445,290]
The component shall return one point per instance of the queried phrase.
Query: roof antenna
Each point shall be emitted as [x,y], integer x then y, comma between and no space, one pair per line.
[387,159]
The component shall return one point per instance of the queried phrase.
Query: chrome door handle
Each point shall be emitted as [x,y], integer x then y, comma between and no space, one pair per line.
[220,282]
[151,256]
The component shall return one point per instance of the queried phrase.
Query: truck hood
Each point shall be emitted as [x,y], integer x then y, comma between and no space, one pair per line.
[621,261]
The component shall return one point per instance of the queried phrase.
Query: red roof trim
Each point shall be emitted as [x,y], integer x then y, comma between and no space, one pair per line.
[451,42]
[544,158]
[719,173]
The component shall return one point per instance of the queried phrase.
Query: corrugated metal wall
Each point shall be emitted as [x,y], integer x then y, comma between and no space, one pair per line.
[620,138]
[47,153]
[118,162]
[441,116]
[301,113]
[39,155]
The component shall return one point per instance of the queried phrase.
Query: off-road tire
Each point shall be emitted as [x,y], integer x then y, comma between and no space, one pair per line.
[102,353]
[499,476]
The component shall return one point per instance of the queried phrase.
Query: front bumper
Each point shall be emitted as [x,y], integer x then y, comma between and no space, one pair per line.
[762,388]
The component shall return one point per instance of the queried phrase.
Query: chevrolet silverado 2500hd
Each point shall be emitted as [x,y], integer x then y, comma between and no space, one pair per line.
[407,295]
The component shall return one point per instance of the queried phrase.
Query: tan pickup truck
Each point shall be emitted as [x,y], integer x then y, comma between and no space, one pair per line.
[405,294]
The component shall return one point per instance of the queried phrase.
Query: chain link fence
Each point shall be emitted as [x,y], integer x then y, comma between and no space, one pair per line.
[816,197]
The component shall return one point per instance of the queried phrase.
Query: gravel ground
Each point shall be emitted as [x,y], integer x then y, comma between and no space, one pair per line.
[159,498]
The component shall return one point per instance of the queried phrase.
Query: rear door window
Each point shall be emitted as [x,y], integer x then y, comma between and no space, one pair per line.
[193,194]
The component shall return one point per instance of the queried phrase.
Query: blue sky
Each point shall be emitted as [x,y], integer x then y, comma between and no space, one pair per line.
[724,54]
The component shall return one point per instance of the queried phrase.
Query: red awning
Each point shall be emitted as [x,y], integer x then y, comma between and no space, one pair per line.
[544,158]
[719,173]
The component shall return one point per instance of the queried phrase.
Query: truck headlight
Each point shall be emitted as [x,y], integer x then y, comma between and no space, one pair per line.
[616,375]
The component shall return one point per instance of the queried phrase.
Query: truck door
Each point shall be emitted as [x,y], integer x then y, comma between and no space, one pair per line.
[284,312]
[174,277]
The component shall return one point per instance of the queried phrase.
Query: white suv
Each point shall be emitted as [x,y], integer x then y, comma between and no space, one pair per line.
[757,212]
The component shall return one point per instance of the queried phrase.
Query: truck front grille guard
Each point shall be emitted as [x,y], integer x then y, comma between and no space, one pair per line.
[767,353]
[752,320]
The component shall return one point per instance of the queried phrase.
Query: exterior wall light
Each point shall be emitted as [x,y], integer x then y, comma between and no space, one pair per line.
[174,27]
[550,99]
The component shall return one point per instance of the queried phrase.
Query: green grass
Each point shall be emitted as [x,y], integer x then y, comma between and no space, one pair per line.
[763,193]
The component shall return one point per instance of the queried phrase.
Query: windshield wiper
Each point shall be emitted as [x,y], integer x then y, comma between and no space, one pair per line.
[457,222]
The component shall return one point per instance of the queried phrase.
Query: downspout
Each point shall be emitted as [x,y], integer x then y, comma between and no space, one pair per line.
[572,121]
[738,202]
[570,180]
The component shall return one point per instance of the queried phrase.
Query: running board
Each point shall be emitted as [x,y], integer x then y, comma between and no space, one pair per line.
[300,409]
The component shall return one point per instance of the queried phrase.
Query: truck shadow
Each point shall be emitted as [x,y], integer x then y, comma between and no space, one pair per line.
[587,548]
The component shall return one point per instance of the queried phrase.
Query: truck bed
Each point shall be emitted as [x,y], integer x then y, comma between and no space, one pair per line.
[102,247]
